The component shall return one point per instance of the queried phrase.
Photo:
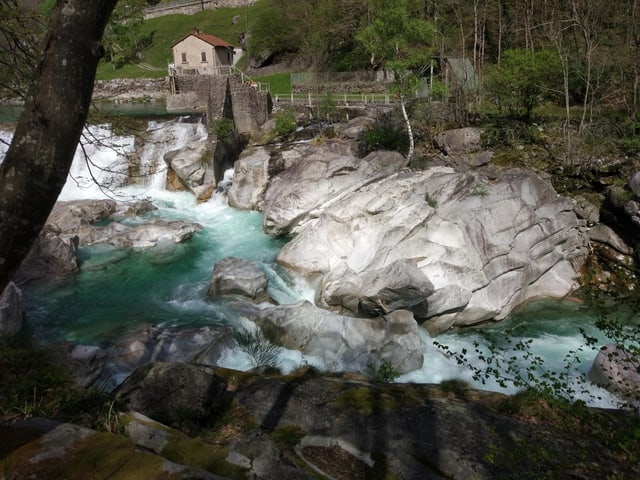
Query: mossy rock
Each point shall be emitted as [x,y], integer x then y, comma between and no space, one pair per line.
[76,453]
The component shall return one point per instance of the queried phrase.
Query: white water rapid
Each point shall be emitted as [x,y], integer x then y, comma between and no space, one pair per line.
[168,289]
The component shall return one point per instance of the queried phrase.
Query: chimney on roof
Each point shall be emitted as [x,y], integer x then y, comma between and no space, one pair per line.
[196,30]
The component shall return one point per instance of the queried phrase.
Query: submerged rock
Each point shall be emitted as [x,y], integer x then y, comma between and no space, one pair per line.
[236,276]
[97,222]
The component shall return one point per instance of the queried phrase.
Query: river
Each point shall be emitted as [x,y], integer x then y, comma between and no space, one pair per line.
[117,291]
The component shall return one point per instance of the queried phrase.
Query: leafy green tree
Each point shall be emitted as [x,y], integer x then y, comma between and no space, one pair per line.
[524,79]
[20,32]
[123,40]
[399,40]
[320,31]
[271,33]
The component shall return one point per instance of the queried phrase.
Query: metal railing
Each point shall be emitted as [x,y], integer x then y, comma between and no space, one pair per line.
[355,76]
[342,99]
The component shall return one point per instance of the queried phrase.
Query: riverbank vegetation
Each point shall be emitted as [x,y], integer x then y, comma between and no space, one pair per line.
[561,77]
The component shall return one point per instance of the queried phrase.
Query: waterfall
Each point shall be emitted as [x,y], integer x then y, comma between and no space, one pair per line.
[164,137]
[103,161]
[99,165]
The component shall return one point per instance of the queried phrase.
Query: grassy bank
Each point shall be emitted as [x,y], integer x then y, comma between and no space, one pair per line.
[226,23]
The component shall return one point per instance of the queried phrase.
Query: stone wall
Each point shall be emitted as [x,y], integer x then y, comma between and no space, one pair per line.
[190,7]
[224,96]
[219,101]
[251,108]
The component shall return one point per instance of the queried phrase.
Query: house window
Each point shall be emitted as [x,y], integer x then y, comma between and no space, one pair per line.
[204,57]
[184,58]
[229,58]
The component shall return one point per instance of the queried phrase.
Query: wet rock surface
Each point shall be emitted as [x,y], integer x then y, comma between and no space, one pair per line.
[77,223]
[236,276]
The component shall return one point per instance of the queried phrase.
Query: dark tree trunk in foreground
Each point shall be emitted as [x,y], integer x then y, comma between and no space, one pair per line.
[46,136]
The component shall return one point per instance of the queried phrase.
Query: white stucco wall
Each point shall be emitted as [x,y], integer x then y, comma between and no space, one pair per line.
[193,48]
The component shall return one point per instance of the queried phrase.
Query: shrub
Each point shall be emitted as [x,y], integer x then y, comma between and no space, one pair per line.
[285,123]
[523,80]
[386,372]
[223,127]
[386,136]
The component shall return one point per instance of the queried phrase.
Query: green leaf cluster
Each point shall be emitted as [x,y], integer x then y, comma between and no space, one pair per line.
[523,80]
[285,123]
[123,39]
[398,39]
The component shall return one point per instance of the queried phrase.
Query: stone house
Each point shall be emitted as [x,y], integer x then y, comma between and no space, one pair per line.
[203,54]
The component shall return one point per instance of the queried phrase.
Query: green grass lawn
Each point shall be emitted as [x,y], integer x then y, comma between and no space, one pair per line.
[170,28]
[278,82]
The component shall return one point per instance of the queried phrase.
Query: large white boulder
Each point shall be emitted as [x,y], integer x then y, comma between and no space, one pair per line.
[250,179]
[321,178]
[485,247]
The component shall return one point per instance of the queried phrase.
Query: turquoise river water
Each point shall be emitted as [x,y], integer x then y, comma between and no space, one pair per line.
[117,291]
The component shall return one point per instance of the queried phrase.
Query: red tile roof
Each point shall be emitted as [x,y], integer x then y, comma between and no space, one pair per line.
[205,37]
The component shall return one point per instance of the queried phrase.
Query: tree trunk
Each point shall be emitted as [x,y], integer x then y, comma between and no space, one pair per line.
[46,136]
[407,122]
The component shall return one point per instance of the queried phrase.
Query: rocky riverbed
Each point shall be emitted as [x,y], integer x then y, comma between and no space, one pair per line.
[306,426]
[386,250]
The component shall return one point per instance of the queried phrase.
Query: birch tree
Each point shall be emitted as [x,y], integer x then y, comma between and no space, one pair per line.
[399,40]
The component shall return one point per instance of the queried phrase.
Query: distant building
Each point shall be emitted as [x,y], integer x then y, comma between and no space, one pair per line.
[203,54]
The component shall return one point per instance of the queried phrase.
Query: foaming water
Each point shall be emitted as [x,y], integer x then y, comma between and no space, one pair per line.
[549,330]
[117,291]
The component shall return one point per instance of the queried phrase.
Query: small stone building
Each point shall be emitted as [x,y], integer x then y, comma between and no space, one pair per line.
[201,53]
